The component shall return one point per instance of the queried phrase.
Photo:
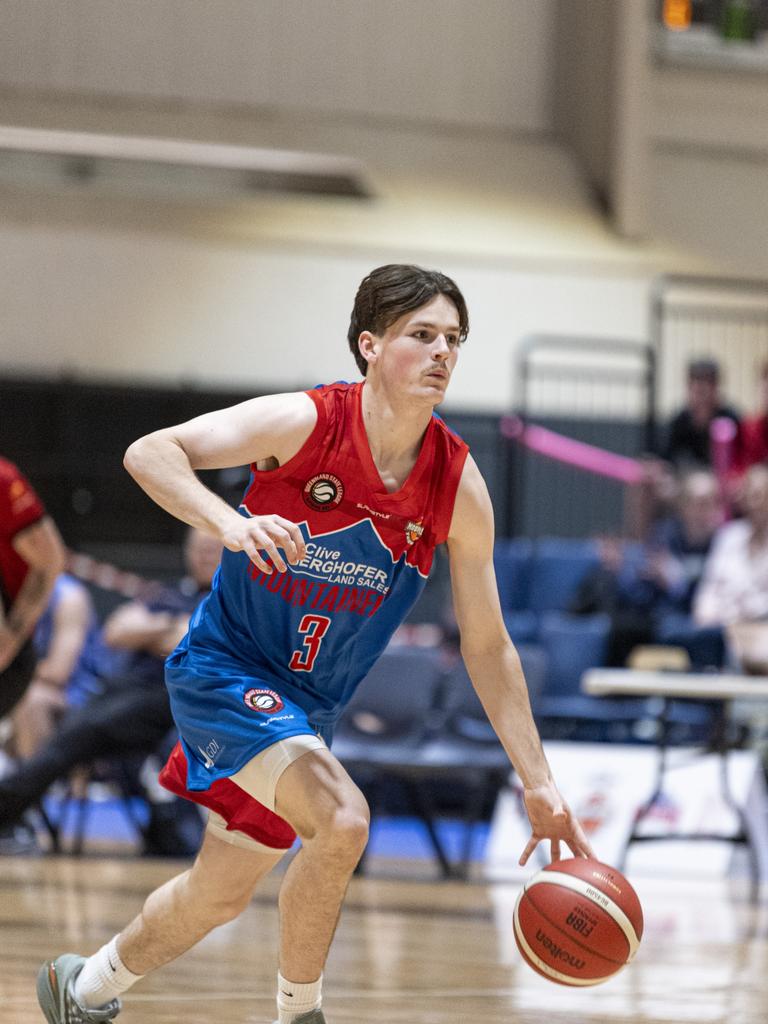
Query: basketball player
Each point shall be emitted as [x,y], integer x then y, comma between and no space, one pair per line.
[352,487]
[31,557]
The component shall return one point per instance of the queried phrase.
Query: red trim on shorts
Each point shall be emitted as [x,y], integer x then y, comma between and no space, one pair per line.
[241,811]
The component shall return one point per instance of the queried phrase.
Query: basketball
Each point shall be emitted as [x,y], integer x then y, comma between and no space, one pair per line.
[578,922]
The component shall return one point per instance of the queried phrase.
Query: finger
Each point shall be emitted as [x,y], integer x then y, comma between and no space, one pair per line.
[296,535]
[277,559]
[580,845]
[253,553]
[580,848]
[554,850]
[530,846]
[283,539]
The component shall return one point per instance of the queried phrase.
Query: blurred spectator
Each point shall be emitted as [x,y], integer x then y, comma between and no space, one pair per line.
[734,589]
[647,589]
[687,443]
[754,432]
[678,545]
[66,672]
[31,557]
[673,562]
[132,715]
[609,589]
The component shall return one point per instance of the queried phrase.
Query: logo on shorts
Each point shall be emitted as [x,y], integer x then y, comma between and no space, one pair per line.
[266,701]
[210,753]
[323,492]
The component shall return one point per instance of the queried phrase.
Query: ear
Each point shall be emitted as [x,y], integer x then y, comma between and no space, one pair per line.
[369,346]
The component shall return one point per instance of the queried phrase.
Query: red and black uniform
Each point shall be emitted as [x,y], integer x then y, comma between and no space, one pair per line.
[20,508]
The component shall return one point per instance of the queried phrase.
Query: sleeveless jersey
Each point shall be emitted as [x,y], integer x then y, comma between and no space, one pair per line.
[313,632]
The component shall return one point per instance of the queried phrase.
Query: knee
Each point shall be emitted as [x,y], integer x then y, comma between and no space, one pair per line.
[346,830]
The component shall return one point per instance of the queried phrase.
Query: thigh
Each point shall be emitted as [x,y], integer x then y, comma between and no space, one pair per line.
[313,789]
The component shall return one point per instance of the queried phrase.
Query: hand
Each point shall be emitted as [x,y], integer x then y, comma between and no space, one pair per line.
[551,818]
[266,533]
[9,647]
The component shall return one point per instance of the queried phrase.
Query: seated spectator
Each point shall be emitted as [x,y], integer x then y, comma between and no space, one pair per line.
[687,443]
[608,589]
[672,564]
[66,671]
[132,714]
[733,592]
[648,589]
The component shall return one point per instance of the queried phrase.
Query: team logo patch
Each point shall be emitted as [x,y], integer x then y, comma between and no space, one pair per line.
[266,701]
[323,492]
[413,531]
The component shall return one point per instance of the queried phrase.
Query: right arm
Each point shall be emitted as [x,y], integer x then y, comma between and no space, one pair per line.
[164,464]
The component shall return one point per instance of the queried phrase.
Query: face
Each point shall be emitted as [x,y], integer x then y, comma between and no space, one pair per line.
[700,505]
[417,353]
[202,554]
[702,393]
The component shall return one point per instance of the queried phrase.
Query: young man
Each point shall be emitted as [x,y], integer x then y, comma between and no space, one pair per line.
[352,487]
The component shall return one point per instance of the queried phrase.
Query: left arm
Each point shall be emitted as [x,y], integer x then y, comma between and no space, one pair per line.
[41,547]
[494,667]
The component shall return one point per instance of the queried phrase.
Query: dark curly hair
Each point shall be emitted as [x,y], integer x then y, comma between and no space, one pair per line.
[388,292]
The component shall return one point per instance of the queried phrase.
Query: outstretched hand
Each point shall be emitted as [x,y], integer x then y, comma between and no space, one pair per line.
[269,534]
[551,818]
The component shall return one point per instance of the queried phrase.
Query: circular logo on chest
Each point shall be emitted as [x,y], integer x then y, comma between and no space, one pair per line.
[323,492]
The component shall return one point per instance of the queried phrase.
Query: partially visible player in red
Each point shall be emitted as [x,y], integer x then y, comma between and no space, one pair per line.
[31,557]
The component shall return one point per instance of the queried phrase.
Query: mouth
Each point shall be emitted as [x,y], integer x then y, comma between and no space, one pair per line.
[437,374]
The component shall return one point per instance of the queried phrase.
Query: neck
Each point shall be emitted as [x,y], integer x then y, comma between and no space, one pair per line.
[395,425]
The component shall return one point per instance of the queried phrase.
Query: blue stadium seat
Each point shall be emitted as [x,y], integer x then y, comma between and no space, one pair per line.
[558,566]
[574,643]
[522,626]
[512,561]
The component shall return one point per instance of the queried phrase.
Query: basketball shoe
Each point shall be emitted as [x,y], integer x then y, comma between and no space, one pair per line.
[56,995]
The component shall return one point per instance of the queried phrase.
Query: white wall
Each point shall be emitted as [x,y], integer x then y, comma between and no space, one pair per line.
[481,63]
[112,303]
[708,166]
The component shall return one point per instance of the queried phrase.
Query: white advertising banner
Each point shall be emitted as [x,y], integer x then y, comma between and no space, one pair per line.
[607,784]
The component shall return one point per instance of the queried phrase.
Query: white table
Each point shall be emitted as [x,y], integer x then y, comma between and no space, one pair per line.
[724,688]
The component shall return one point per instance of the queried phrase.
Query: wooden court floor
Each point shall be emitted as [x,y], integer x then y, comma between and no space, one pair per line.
[407,952]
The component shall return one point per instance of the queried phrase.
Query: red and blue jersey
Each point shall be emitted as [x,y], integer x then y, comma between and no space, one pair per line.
[312,633]
[20,508]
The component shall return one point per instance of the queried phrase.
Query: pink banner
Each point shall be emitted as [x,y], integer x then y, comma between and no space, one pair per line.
[574,453]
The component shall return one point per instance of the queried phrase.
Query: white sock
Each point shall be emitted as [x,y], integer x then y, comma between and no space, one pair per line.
[103,978]
[293,999]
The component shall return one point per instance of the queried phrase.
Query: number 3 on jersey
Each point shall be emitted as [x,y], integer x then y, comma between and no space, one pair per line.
[314,628]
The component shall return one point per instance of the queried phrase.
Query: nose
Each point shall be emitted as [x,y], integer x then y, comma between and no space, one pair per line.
[441,349]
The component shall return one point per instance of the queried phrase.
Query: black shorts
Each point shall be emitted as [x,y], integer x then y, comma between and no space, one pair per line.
[16,678]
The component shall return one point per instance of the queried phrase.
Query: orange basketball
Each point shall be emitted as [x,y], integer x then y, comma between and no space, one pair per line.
[578,922]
